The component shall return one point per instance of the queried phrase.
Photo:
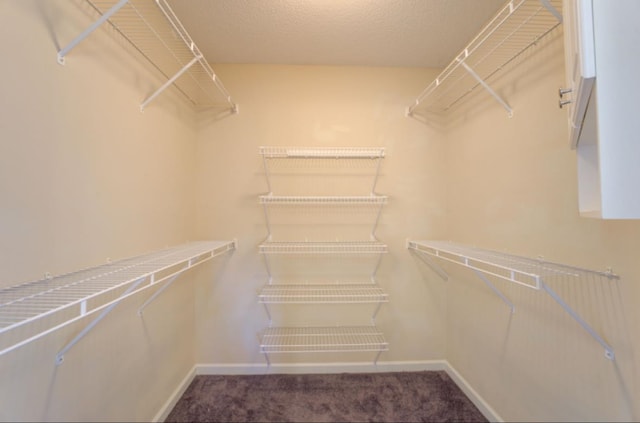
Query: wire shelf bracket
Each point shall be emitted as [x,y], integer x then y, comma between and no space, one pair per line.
[530,273]
[32,310]
[177,57]
[519,25]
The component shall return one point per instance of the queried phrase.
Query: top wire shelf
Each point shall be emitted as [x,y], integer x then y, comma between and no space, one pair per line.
[323,152]
[31,310]
[154,30]
[519,25]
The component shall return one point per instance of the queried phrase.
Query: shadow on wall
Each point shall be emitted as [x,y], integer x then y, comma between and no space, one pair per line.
[541,331]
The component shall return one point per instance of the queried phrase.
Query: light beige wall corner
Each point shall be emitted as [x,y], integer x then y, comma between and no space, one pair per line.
[85,176]
[512,187]
[319,107]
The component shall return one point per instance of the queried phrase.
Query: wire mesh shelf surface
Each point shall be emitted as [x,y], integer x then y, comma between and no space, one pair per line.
[56,301]
[365,247]
[322,339]
[323,152]
[519,25]
[153,29]
[524,271]
[319,200]
[326,293]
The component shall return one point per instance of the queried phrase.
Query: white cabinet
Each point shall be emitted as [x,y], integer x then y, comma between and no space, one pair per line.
[601,38]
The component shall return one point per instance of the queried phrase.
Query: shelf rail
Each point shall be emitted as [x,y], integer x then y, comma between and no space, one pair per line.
[527,272]
[519,25]
[35,309]
[154,30]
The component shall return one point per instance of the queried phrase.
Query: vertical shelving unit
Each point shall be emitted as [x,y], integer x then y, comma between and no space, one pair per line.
[304,288]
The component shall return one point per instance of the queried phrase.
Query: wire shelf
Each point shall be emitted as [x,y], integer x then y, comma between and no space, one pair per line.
[321,200]
[322,339]
[517,26]
[323,152]
[153,29]
[34,309]
[521,270]
[365,247]
[322,294]
[531,273]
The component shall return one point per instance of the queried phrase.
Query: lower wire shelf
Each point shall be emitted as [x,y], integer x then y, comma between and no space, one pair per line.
[32,310]
[323,339]
[317,294]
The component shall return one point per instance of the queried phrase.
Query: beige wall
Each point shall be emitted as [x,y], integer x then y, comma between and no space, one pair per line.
[319,107]
[84,176]
[512,187]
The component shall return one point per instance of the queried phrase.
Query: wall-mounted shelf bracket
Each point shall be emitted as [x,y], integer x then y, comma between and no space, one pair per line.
[486,86]
[523,271]
[102,19]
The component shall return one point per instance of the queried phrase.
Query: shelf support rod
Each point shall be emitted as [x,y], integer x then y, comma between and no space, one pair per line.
[432,264]
[266,172]
[87,329]
[547,4]
[608,350]
[486,87]
[62,53]
[495,290]
[375,178]
[157,293]
[169,82]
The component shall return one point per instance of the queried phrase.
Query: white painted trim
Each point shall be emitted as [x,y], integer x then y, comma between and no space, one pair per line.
[309,368]
[175,396]
[477,400]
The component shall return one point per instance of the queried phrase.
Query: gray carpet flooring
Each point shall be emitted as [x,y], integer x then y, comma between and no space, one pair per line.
[429,396]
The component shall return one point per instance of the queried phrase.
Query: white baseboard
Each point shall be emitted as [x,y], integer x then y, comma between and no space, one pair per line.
[175,396]
[309,368]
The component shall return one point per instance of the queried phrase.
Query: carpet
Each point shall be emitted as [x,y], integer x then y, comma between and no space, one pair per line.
[428,396]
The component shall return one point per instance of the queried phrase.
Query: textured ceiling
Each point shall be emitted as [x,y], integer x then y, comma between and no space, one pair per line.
[422,33]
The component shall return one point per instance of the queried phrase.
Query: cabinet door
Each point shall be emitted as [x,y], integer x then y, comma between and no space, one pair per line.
[579,62]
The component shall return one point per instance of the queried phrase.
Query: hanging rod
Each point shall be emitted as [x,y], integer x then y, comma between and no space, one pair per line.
[154,30]
[523,271]
[32,310]
[519,25]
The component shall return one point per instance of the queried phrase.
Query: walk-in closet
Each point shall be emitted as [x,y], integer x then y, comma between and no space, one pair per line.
[440,193]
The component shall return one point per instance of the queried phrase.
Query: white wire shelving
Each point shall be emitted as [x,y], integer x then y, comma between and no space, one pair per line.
[519,25]
[322,152]
[310,247]
[35,309]
[322,294]
[527,272]
[324,162]
[154,30]
[323,339]
[362,200]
